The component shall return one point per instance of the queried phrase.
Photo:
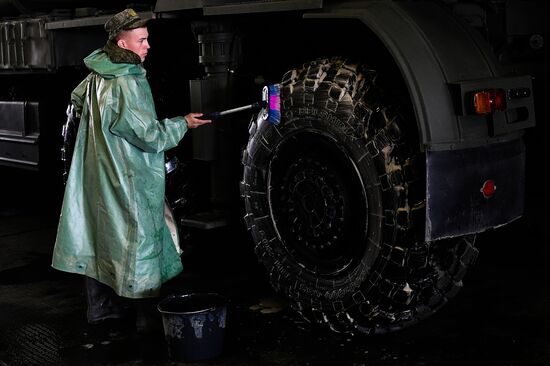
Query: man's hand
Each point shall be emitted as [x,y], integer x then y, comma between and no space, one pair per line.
[193,120]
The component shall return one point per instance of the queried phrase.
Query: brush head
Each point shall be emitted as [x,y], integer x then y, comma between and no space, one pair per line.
[271,97]
[274,114]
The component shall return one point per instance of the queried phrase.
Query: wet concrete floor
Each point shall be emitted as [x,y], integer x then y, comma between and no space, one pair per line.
[500,317]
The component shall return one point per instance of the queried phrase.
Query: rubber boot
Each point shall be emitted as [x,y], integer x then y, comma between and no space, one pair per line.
[110,315]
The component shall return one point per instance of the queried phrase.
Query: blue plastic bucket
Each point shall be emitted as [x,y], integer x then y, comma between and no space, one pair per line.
[194,325]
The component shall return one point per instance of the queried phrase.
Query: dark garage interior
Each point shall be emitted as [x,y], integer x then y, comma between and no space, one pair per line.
[500,316]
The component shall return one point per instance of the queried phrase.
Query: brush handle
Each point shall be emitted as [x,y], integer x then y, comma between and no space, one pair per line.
[215,115]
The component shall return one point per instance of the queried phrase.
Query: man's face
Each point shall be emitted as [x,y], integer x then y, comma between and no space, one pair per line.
[136,41]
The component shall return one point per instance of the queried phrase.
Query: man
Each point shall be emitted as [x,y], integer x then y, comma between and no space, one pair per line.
[112,227]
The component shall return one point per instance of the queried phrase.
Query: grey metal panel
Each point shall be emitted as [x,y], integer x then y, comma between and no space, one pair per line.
[24,44]
[174,5]
[37,50]
[431,48]
[19,133]
[237,7]
[12,118]
[23,152]
[19,119]
[89,21]
[263,6]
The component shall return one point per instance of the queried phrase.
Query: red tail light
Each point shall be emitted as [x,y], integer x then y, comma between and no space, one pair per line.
[489,101]
[488,189]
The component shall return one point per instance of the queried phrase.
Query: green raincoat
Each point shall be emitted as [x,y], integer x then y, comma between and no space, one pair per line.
[112,225]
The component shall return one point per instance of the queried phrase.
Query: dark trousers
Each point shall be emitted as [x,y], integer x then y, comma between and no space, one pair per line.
[104,303]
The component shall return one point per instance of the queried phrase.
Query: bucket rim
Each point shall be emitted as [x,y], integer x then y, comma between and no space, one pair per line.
[174,296]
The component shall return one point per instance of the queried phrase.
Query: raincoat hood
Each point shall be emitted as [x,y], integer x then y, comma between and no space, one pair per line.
[100,63]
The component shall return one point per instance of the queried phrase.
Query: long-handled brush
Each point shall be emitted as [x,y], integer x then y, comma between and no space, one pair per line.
[270,106]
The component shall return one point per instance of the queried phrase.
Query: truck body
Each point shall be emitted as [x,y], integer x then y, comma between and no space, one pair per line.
[401,134]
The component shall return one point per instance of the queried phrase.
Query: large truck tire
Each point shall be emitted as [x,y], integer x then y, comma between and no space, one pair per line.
[335,202]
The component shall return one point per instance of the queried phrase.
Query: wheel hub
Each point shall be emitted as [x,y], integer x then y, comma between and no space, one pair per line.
[311,199]
[317,203]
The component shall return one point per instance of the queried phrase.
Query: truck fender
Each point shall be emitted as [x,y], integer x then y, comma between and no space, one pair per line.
[432,48]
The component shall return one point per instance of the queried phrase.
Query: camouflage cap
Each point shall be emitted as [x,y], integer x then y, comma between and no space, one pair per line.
[124,20]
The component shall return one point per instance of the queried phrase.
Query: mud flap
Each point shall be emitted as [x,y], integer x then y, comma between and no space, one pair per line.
[457,202]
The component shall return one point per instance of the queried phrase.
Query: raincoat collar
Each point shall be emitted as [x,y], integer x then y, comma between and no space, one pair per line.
[120,55]
[100,62]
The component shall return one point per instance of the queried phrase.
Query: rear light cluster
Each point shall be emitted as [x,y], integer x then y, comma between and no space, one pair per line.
[489,101]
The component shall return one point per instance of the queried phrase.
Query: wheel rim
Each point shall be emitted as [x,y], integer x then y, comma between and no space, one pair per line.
[317,203]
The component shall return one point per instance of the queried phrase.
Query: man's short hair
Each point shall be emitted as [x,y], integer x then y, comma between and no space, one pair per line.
[124,20]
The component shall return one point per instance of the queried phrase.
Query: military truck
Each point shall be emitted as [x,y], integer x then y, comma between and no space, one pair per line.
[401,137]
